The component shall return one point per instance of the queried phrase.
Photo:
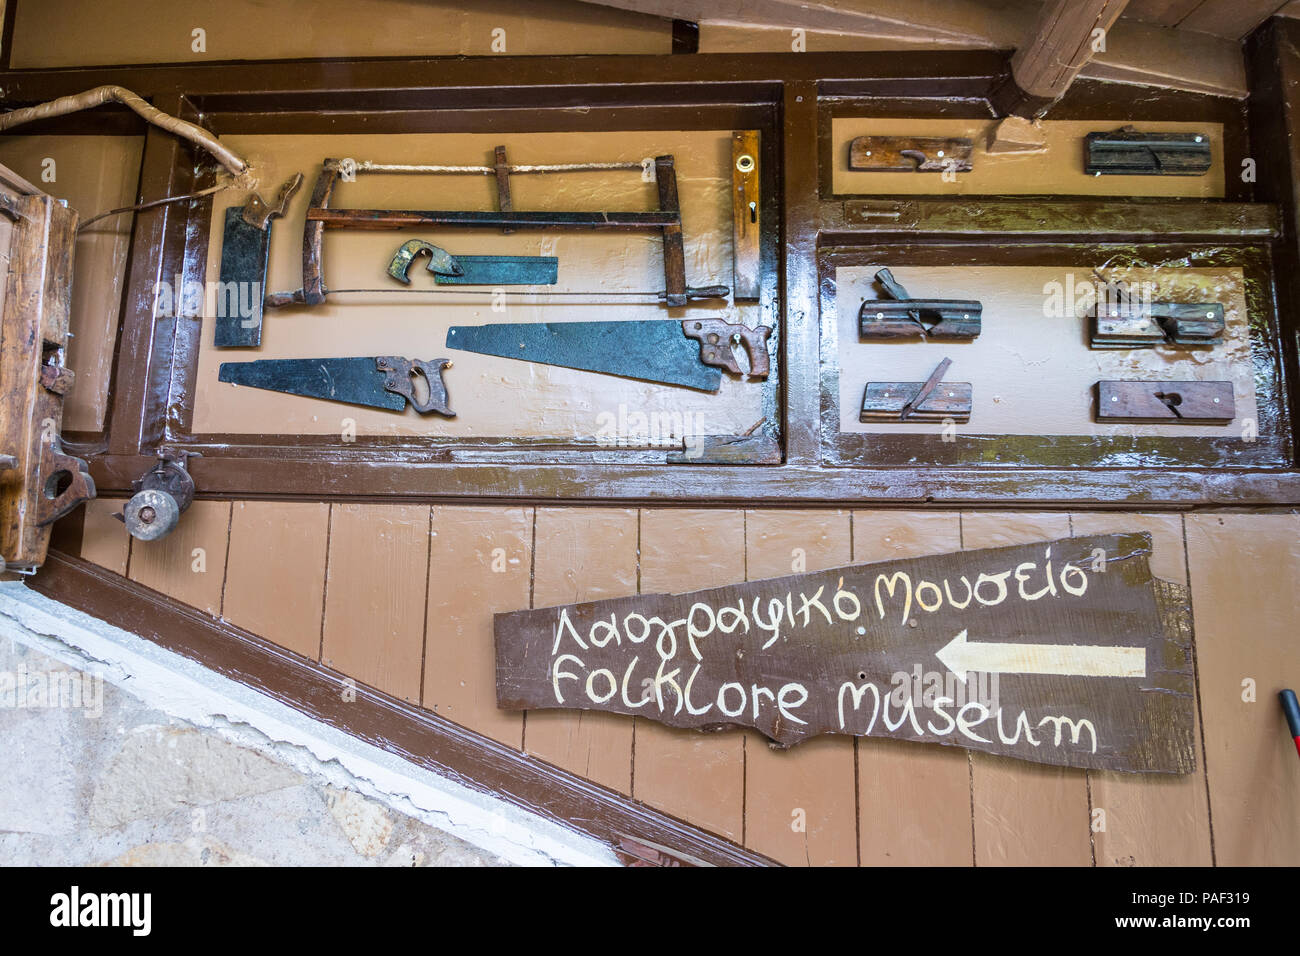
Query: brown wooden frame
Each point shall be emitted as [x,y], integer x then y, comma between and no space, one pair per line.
[791,95]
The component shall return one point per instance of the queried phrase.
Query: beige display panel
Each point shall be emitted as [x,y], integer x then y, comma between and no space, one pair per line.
[93,174]
[491,396]
[1056,171]
[1031,370]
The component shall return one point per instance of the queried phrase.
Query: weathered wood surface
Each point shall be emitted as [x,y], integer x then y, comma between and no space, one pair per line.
[1186,324]
[910,154]
[41,482]
[885,401]
[1149,820]
[1128,152]
[746,207]
[1088,669]
[1062,41]
[1188,403]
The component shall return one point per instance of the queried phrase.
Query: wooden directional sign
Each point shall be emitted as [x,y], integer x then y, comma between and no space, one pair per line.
[1063,652]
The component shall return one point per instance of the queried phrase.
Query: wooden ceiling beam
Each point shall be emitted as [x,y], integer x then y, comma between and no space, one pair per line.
[1233,19]
[963,24]
[1066,35]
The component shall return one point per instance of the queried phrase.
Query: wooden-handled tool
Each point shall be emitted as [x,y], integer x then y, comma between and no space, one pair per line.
[1291,708]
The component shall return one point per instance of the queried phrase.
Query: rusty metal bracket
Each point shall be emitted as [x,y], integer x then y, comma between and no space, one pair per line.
[67,482]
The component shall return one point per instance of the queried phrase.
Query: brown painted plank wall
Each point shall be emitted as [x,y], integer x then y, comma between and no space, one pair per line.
[480,562]
[698,777]
[584,554]
[800,804]
[401,597]
[275,574]
[1244,570]
[375,594]
[1025,814]
[104,540]
[914,800]
[190,563]
[1156,820]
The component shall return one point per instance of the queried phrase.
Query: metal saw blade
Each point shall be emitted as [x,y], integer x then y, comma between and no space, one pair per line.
[653,350]
[503,270]
[245,251]
[353,380]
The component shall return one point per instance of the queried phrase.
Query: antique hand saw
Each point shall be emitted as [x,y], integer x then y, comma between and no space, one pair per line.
[691,354]
[321,215]
[245,252]
[382,381]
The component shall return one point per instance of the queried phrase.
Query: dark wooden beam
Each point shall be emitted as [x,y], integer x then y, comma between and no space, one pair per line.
[1273,59]
[1062,41]
[1231,19]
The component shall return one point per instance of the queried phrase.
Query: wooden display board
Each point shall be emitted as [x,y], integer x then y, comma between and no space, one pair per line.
[526,430]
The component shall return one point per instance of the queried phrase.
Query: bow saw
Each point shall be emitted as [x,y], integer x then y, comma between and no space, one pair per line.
[322,215]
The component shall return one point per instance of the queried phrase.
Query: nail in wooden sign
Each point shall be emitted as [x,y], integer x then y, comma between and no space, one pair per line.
[1064,652]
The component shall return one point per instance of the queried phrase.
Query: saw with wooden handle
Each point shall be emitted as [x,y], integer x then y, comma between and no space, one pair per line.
[690,353]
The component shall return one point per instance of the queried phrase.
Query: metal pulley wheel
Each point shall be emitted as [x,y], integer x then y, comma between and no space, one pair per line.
[161,497]
[151,514]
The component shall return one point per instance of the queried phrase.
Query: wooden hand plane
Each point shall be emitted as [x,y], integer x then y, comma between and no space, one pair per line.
[902,317]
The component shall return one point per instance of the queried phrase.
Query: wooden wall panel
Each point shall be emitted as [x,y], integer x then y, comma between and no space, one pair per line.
[480,562]
[1025,814]
[1150,819]
[1057,397]
[507,397]
[1231,19]
[1165,13]
[104,540]
[696,776]
[190,563]
[914,799]
[1059,172]
[375,595]
[1243,570]
[275,574]
[65,33]
[584,554]
[800,805]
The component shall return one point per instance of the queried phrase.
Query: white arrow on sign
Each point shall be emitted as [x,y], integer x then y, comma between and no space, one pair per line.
[1073,660]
